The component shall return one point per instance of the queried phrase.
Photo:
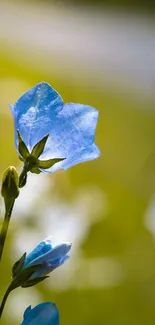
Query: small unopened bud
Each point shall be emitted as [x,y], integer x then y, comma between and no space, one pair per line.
[10,183]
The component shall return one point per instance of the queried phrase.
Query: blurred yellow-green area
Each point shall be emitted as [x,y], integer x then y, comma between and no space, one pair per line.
[106,207]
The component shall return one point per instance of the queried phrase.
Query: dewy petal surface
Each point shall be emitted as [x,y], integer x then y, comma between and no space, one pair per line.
[34,112]
[43,314]
[72,136]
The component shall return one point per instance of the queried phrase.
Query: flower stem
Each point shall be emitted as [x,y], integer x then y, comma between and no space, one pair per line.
[23,176]
[3,234]
[4,300]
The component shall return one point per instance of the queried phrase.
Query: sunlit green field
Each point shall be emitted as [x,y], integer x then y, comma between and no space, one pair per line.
[124,180]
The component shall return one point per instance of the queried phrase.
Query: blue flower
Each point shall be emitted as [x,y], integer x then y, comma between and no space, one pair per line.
[70,128]
[43,314]
[48,255]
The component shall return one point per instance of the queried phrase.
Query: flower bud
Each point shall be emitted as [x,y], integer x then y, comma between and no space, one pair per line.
[10,182]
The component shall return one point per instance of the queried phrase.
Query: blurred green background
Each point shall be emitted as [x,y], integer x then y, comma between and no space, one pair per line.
[106,207]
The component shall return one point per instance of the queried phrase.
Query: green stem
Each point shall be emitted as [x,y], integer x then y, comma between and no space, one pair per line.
[4,300]
[3,234]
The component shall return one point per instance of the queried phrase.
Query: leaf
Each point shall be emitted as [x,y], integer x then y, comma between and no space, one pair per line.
[22,147]
[39,147]
[33,282]
[17,267]
[45,164]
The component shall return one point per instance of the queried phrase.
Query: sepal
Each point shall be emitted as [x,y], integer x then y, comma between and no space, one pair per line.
[17,267]
[35,170]
[31,161]
[33,282]
[24,276]
[45,164]
[39,147]
[22,147]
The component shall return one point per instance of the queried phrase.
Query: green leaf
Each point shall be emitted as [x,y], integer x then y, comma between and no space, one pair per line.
[22,147]
[33,282]
[39,147]
[45,164]
[17,267]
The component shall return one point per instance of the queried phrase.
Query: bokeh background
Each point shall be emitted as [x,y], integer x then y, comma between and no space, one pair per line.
[101,54]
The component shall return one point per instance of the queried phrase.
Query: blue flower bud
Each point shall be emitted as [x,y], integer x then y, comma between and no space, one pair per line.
[43,314]
[67,130]
[48,256]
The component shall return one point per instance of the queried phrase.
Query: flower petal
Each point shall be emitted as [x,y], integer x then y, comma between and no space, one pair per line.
[76,157]
[50,266]
[43,247]
[72,136]
[57,252]
[33,113]
[43,314]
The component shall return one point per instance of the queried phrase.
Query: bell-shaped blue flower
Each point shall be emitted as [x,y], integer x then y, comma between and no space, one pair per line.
[43,314]
[68,129]
[48,256]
